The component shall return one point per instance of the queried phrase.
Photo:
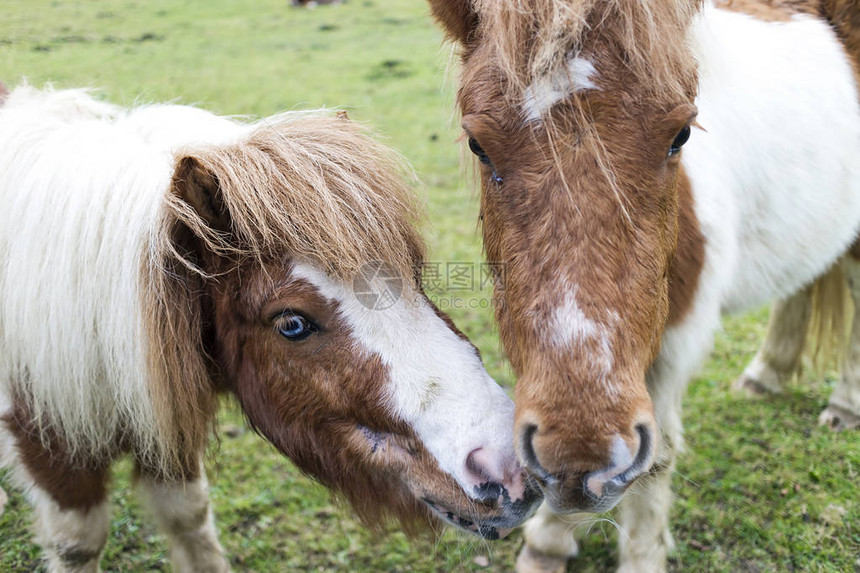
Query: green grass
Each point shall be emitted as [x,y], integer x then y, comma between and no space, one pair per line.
[761,488]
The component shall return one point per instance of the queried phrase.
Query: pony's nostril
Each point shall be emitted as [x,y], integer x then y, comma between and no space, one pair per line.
[645,453]
[496,478]
[528,455]
[624,467]
[487,479]
[481,466]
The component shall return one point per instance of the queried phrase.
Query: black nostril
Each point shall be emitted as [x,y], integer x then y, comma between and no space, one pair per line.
[529,456]
[643,456]
[489,491]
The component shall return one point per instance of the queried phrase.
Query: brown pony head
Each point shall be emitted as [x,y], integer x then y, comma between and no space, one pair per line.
[271,240]
[576,112]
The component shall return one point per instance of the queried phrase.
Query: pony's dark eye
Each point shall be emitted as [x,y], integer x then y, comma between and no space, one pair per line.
[476,148]
[680,140]
[295,327]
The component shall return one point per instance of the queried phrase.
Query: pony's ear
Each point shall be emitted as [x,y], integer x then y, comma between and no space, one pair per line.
[457,17]
[199,188]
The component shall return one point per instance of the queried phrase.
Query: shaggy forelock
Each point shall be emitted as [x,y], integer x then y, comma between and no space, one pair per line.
[531,39]
[317,188]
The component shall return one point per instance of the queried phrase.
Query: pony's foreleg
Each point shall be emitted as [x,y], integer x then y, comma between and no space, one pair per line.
[72,513]
[72,539]
[644,538]
[843,410]
[550,541]
[779,356]
[182,512]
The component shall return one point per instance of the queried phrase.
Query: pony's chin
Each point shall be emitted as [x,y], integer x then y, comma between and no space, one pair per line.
[488,531]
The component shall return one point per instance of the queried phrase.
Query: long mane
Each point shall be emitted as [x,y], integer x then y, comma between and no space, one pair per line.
[100,319]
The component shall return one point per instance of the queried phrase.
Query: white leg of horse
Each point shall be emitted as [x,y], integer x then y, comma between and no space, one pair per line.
[843,410]
[550,541]
[72,513]
[183,513]
[72,540]
[644,539]
[778,358]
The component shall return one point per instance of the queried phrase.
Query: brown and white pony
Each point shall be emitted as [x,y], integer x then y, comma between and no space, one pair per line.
[152,259]
[620,250]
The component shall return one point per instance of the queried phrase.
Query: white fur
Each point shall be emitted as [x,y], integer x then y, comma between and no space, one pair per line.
[183,513]
[843,409]
[777,360]
[551,534]
[438,384]
[77,345]
[775,177]
[59,531]
[546,93]
[570,328]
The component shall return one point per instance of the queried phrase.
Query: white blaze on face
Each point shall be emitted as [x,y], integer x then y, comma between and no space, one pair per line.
[571,329]
[545,93]
[438,384]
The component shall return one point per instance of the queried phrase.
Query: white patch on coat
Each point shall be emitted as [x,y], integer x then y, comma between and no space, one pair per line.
[775,177]
[545,93]
[437,382]
[571,329]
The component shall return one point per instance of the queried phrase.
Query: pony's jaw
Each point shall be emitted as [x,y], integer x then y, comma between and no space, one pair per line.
[492,516]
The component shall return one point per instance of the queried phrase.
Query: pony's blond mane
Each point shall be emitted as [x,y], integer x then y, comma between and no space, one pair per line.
[315,187]
[532,39]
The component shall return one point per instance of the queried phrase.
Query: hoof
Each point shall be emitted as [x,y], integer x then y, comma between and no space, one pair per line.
[838,419]
[751,386]
[531,561]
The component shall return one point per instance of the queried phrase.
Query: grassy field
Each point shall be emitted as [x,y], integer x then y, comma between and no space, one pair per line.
[761,488]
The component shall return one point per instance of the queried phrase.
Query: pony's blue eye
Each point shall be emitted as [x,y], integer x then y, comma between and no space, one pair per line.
[295,327]
[680,140]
